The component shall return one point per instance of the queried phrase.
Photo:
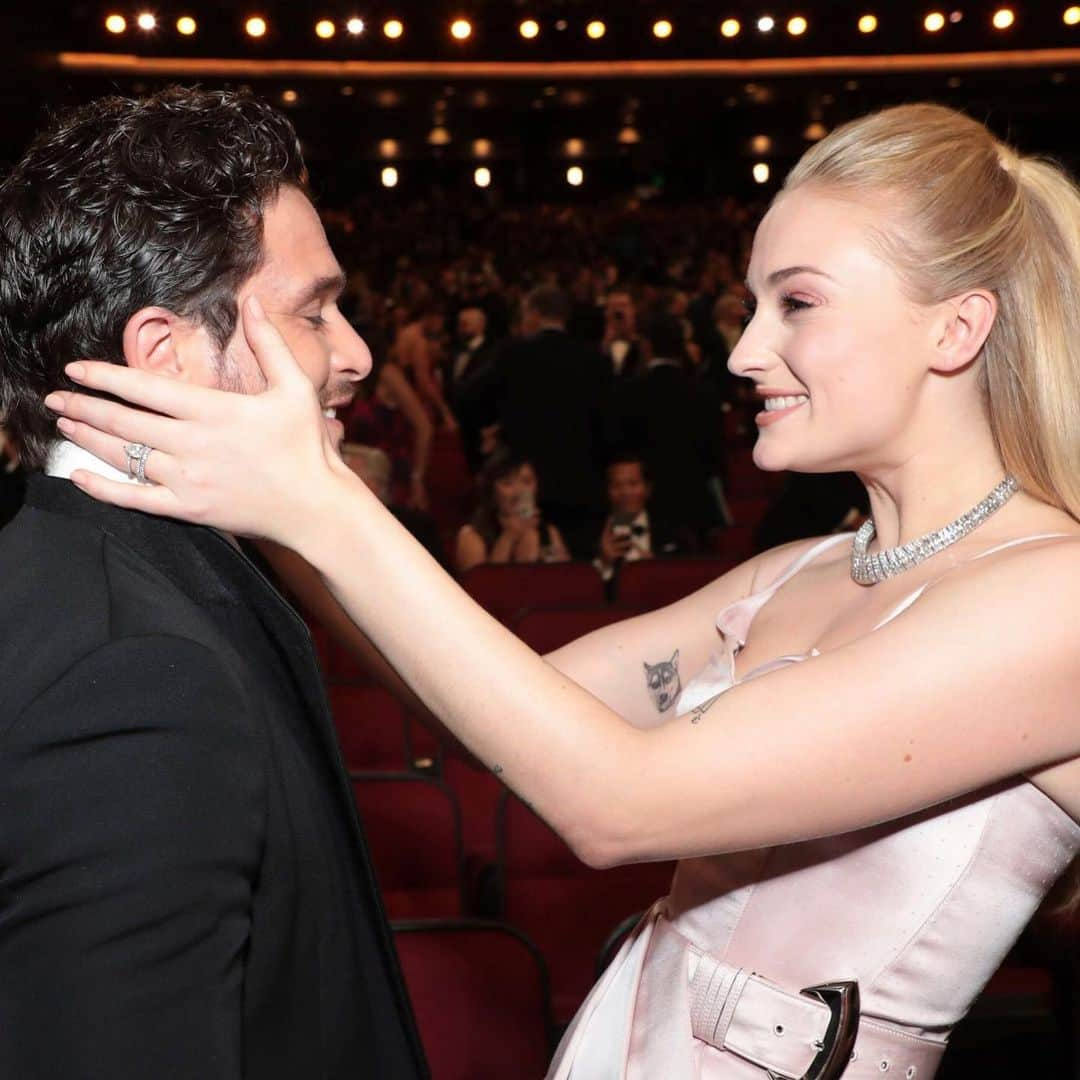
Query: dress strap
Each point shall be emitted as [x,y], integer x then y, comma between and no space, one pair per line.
[807,557]
[912,597]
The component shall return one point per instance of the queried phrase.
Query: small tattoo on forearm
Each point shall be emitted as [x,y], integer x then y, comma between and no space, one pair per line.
[700,710]
[663,682]
[497,770]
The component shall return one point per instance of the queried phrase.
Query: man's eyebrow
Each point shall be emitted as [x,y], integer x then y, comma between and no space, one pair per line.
[790,271]
[332,285]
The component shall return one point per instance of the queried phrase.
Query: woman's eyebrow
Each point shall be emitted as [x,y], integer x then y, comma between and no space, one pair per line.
[789,271]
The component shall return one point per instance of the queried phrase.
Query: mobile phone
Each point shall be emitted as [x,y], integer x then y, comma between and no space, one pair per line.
[620,525]
[526,504]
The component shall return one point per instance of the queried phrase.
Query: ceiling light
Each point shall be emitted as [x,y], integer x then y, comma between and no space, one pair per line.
[325,29]
[117,24]
[867,24]
[461,29]
[186,25]
[393,28]
[482,177]
[575,176]
[530,28]
[761,172]
[355,26]
[255,26]
[730,28]
[1003,18]
[596,29]
[389,176]
[766,23]
[934,22]
[662,28]
[146,21]
[796,26]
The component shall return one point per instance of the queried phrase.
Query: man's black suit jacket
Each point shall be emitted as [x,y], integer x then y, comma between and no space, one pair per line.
[184,888]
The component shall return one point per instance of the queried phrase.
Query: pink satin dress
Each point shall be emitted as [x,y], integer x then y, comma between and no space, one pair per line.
[920,911]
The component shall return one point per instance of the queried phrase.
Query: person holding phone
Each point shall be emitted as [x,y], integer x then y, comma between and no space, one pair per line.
[507,525]
[631,531]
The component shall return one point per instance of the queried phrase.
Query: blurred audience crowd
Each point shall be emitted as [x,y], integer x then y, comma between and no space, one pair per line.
[575,359]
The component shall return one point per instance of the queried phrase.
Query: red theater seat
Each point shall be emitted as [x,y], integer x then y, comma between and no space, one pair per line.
[370,727]
[413,829]
[506,590]
[654,583]
[480,994]
[564,906]
[546,631]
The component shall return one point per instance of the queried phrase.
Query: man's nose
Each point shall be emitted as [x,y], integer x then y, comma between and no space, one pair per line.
[351,356]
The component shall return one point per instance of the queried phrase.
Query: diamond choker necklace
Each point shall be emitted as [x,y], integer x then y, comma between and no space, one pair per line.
[869,569]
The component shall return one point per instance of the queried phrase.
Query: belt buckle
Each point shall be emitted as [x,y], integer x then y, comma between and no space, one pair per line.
[834,1053]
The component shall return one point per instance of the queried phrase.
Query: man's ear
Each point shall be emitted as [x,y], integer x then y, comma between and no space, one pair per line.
[960,332]
[151,342]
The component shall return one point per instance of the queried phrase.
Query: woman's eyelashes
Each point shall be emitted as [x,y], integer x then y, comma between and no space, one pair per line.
[788,305]
[316,320]
[791,304]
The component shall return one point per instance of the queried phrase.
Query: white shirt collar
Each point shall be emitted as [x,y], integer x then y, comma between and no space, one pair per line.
[65,457]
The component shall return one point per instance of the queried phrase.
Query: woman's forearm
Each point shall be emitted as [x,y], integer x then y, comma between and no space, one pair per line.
[559,748]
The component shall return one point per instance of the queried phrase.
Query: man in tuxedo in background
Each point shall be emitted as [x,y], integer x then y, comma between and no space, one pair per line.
[469,364]
[550,396]
[185,889]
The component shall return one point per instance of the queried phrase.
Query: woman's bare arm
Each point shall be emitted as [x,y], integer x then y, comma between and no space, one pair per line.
[965,688]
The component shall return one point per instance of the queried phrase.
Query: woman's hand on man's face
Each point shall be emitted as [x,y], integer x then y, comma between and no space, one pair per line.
[257,465]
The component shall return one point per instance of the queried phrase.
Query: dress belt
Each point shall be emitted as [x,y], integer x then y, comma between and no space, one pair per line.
[784,1033]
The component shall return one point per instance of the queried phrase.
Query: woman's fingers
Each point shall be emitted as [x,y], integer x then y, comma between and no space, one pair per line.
[149,499]
[272,354]
[112,418]
[159,468]
[149,391]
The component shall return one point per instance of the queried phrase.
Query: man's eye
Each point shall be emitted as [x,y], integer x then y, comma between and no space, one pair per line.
[316,320]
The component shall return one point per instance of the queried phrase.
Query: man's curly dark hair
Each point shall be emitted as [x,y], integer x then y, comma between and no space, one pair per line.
[123,204]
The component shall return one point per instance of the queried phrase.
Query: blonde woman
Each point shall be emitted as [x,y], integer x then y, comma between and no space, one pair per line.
[870,762]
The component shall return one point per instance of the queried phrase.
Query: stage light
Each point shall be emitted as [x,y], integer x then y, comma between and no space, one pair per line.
[461,29]
[766,23]
[115,24]
[730,28]
[255,26]
[438,136]
[934,22]
[662,28]
[186,25]
[389,176]
[796,26]
[761,172]
[1071,16]
[325,29]
[596,29]
[289,97]
[393,28]
[388,148]
[575,176]
[355,26]
[815,131]
[628,136]
[482,177]
[1003,18]
[530,28]
[146,21]
[761,144]
[867,24]
[575,147]
[481,148]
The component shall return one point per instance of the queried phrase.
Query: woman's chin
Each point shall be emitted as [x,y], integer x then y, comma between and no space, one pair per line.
[336,430]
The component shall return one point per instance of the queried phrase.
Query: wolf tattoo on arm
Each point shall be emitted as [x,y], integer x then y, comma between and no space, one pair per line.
[663,682]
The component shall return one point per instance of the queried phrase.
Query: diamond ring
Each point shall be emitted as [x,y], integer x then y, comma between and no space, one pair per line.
[137,455]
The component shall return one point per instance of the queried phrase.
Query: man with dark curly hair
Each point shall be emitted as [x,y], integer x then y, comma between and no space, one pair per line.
[184,887]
